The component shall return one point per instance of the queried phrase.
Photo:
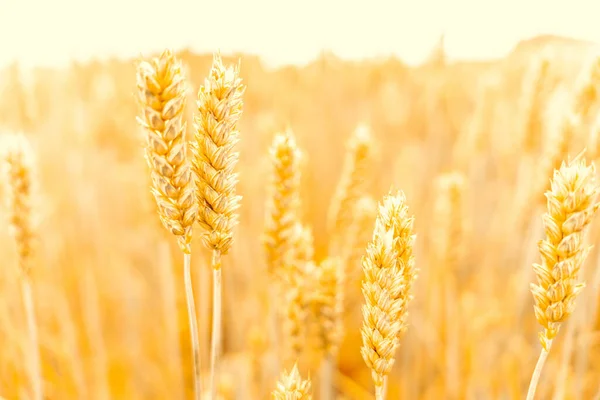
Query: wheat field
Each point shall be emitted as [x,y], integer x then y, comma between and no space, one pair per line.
[343,166]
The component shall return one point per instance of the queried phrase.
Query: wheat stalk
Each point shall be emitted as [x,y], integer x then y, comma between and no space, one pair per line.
[292,387]
[571,206]
[219,110]
[329,304]
[20,178]
[389,273]
[162,94]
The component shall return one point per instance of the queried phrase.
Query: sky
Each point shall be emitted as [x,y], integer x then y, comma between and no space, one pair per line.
[51,32]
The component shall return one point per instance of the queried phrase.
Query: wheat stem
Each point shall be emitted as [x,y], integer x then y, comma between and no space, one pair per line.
[216,321]
[538,370]
[36,375]
[326,386]
[191,308]
[380,392]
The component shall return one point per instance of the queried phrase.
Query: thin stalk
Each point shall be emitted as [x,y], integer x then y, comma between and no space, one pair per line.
[381,391]
[274,325]
[538,372]
[327,378]
[34,362]
[216,322]
[191,308]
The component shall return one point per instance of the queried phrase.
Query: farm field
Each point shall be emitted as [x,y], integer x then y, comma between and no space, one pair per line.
[469,148]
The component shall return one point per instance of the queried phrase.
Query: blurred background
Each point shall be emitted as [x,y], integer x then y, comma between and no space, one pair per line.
[475,89]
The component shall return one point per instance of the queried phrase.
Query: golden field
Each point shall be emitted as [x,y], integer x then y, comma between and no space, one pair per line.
[107,278]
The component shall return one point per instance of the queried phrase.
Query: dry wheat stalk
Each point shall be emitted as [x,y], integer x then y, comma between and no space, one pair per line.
[219,110]
[20,180]
[291,387]
[388,276]
[571,207]
[162,94]
[352,185]
[448,248]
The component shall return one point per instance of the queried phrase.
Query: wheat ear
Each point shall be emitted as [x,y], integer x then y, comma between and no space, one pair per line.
[352,185]
[296,292]
[283,202]
[292,387]
[162,94]
[219,110]
[388,276]
[571,203]
[19,163]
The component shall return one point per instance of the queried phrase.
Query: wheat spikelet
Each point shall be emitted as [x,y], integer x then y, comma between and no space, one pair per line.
[219,110]
[19,165]
[352,185]
[291,387]
[571,206]
[283,203]
[296,287]
[394,216]
[20,180]
[388,275]
[162,93]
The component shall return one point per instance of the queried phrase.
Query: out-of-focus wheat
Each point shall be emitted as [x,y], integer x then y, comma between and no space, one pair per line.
[219,110]
[328,301]
[389,273]
[20,184]
[282,204]
[571,207]
[352,185]
[297,292]
[281,216]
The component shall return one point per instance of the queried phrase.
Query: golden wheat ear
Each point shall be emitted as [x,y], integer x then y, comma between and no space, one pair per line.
[19,166]
[389,273]
[162,96]
[215,158]
[572,203]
